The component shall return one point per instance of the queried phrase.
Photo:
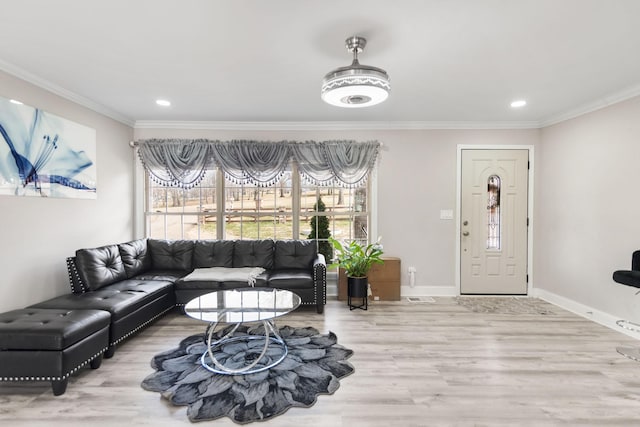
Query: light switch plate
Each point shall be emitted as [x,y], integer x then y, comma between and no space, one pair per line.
[446,214]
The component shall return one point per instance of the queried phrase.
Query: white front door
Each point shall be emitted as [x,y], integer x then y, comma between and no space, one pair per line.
[493,222]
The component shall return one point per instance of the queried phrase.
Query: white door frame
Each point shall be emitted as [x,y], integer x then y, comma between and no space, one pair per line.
[530,148]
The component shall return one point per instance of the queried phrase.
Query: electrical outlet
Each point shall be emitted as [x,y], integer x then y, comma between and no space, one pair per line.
[412,269]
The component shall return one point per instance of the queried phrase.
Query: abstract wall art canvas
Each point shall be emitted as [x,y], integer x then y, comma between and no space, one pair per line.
[44,155]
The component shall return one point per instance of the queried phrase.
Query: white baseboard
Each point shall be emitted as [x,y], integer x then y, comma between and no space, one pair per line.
[431,291]
[407,291]
[332,290]
[587,312]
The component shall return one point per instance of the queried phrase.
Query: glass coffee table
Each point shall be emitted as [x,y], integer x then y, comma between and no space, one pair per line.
[237,306]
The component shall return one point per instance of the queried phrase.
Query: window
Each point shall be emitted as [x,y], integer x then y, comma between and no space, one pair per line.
[493,212]
[221,209]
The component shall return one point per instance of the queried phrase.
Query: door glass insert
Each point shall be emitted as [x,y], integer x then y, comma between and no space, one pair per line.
[493,212]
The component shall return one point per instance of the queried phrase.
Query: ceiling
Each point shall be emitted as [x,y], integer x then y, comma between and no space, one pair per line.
[451,62]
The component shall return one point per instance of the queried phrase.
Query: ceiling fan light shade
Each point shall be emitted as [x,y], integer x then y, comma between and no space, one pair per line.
[356,85]
[355,90]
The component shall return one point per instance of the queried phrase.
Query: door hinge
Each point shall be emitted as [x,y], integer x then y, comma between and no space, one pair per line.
[527,278]
[527,221]
[528,165]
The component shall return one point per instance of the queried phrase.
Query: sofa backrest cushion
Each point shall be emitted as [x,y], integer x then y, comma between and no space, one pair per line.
[170,254]
[295,254]
[212,253]
[253,253]
[100,267]
[135,257]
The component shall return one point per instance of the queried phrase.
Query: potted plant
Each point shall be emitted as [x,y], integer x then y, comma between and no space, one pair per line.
[356,259]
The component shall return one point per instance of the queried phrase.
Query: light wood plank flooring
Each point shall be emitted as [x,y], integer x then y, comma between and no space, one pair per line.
[417,364]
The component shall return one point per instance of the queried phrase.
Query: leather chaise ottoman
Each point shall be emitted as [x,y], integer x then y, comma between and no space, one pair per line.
[131,303]
[50,344]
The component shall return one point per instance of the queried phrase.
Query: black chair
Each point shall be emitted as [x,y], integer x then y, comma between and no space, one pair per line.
[629,278]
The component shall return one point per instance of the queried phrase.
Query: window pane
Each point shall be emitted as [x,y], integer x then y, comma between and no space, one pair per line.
[267,227]
[254,212]
[158,199]
[207,229]
[284,227]
[173,227]
[361,227]
[493,212]
[156,226]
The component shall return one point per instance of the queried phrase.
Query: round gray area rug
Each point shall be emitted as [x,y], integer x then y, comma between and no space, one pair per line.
[314,365]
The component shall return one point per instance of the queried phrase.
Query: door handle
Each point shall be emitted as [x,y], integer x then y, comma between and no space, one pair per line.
[465,233]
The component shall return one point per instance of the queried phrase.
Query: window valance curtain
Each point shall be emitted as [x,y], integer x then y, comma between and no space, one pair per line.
[183,163]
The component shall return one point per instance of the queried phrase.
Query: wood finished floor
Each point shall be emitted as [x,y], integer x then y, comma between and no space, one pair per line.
[417,364]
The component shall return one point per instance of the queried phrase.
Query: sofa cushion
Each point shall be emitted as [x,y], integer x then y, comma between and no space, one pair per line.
[291,279]
[120,299]
[213,253]
[99,267]
[253,253]
[181,285]
[171,254]
[135,257]
[295,254]
[48,329]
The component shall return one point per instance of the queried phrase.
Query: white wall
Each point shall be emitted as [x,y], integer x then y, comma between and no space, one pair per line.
[416,179]
[587,208]
[37,234]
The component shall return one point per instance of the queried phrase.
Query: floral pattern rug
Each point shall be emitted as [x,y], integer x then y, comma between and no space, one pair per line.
[314,365]
[506,305]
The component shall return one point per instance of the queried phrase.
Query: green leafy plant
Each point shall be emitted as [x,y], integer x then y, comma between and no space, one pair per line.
[320,231]
[355,258]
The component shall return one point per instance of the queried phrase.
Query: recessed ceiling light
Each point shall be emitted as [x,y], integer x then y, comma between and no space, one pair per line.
[519,103]
[163,102]
[15,101]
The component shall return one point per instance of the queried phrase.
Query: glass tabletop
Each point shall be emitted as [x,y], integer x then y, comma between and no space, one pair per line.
[242,305]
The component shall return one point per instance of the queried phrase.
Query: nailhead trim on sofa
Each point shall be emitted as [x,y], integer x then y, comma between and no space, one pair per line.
[75,282]
[141,326]
[67,375]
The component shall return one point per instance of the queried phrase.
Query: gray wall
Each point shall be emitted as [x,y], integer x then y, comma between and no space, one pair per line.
[416,178]
[587,208]
[37,234]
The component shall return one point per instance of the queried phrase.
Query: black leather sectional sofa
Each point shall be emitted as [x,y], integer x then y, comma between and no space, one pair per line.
[118,289]
[140,280]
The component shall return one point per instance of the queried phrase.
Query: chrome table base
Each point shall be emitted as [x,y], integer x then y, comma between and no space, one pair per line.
[211,363]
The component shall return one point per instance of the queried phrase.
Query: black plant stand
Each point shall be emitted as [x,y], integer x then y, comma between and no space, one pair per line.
[357,287]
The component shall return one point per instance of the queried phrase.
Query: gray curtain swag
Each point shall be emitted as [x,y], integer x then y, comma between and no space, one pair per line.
[183,163]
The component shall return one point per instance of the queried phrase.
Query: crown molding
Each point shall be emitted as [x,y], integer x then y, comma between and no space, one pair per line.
[372,125]
[623,95]
[64,93]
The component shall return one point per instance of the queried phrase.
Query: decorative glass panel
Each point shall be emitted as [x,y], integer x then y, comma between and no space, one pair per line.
[493,212]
